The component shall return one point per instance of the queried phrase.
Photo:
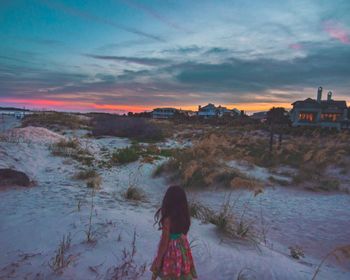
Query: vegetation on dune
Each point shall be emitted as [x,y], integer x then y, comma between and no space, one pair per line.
[341,253]
[56,120]
[225,220]
[128,268]
[89,232]
[61,259]
[72,148]
[92,178]
[204,165]
[310,158]
[139,129]
[296,252]
[134,193]
[94,183]
[310,153]
[125,155]
[147,153]
[86,174]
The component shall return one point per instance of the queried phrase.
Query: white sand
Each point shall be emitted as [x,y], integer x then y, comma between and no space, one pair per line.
[33,221]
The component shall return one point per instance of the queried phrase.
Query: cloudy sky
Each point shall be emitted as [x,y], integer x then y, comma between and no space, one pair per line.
[134,55]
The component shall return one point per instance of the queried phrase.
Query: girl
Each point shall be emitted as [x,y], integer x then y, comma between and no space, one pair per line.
[174,259]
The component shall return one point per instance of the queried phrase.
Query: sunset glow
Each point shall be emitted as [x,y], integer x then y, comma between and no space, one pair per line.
[42,104]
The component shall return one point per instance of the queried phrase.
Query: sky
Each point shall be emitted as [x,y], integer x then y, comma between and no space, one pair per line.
[129,55]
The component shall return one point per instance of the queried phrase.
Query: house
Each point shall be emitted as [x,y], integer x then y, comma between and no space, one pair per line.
[16,112]
[164,113]
[19,115]
[323,113]
[207,111]
[260,116]
[210,111]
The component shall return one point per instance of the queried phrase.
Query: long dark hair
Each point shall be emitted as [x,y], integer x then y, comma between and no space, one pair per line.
[174,207]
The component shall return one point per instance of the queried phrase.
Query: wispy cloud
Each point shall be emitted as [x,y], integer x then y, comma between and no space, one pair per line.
[138,60]
[155,14]
[125,44]
[85,15]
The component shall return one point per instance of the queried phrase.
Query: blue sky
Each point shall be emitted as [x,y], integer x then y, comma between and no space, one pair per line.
[135,55]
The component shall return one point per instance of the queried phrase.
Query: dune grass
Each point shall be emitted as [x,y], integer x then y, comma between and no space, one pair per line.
[73,149]
[56,120]
[134,193]
[204,165]
[227,222]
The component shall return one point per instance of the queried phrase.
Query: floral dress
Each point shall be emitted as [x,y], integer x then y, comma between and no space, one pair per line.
[177,262]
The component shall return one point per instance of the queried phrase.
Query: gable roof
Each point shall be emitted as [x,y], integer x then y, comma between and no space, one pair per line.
[324,104]
[165,108]
[341,105]
[209,106]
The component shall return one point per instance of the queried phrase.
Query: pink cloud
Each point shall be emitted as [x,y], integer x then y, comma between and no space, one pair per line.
[337,31]
[295,46]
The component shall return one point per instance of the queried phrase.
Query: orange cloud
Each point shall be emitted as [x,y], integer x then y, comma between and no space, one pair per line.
[253,107]
[110,107]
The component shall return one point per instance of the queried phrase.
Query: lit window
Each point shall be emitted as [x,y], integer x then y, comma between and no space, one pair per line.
[307,117]
[330,117]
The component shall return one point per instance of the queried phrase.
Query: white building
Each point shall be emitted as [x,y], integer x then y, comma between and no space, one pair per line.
[207,111]
[164,113]
[211,110]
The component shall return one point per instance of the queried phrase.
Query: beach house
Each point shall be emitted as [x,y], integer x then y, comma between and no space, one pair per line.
[323,113]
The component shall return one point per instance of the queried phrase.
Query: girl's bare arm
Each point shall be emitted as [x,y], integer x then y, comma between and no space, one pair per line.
[164,242]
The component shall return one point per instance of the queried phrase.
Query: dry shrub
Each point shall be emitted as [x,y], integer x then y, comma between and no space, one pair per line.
[139,129]
[134,193]
[295,151]
[56,120]
[226,222]
[147,153]
[309,154]
[128,269]
[246,183]
[201,165]
[126,155]
[92,178]
[341,253]
[86,174]
[296,252]
[89,233]
[200,211]
[94,182]
[73,149]
[61,260]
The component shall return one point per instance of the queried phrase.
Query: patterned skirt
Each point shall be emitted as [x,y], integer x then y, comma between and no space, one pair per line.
[177,262]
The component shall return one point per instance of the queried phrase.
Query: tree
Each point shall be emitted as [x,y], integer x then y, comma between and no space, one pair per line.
[277,118]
